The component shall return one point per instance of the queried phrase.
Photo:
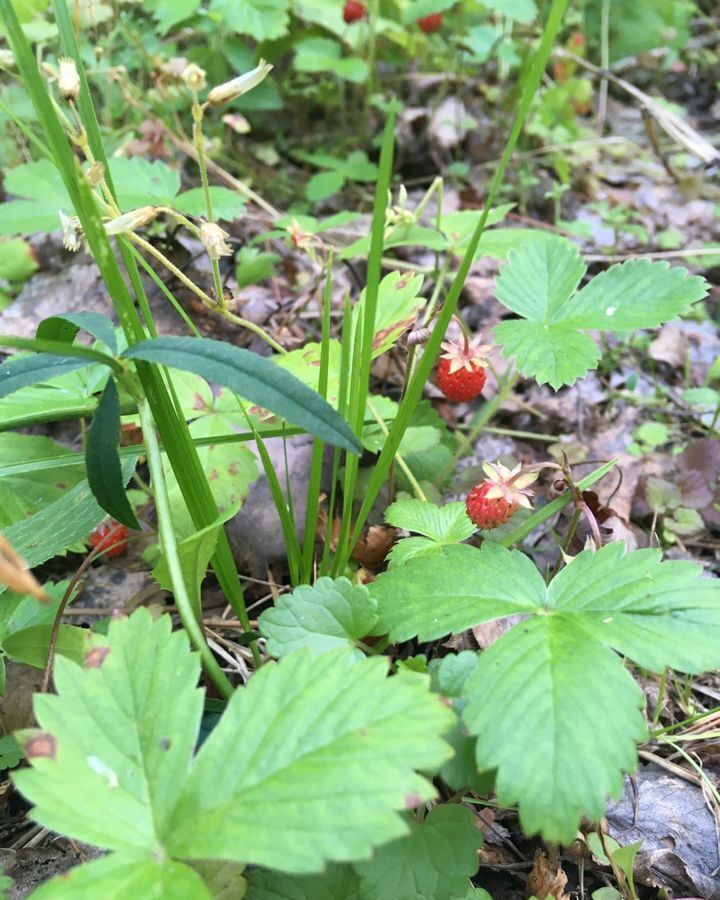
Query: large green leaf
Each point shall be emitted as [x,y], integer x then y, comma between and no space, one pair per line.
[253,377]
[124,729]
[538,694]
[41,187]
[102,459]
[539,283]
[434,862]
[330,721]
[446,590]
[139,182]
[112,762]
[331,613]
[168,13]
[127,876]
[558,716]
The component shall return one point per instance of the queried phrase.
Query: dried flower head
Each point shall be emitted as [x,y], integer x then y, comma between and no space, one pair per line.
[511,485]
[230,90]
[214,239]
[68,79]
[72,231]
[194,77]
[129,221]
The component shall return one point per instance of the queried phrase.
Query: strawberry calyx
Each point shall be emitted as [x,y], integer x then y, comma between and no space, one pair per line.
[510,485]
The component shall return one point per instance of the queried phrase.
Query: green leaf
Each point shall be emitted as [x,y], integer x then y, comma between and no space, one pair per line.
[264,20]
[524,11]
[31,645]
[168,13]
[17,259]
[253,377]
[324,185]
[335,882]
[420,8]
[18,372]
[449,589]
[64,328]
[552,354]
[398,303]
[139,182]
[535,701]
[253,265]
[23,494]
[537,694]
[435,861]
[226,204]
[102,459]
[635,294]
[660,614]
[124,729]
[126,876]
[319,54]
[539,283]
[448,524]
[331,613]
[330,721]
[224,880]
[41,187]
[539,278]
[60,524]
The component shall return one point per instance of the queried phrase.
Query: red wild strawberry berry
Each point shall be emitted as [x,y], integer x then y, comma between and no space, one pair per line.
[353,11]
[461,370]
[495,500]
[110,538]
[430,24]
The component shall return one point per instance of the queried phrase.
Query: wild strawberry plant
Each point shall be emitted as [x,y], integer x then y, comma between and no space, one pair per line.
[338,770]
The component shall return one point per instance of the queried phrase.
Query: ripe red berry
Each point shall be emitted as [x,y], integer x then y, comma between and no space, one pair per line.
[353,11]
[487,512]
[461,370]
[495,500]
[430,24]
[110,538]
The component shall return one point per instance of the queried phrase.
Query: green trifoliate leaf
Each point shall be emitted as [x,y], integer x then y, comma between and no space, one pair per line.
[537,694]
[332,613]
[451,588]
[118,737]
[434,862]
[332,722]
[557,715]
[659,614]
[127,876]
[264,20]
[539,283]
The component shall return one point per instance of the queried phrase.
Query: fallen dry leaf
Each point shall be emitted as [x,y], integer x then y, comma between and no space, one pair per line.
[546,879]
[15,574]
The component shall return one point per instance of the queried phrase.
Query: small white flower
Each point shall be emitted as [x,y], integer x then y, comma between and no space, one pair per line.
[230,90]
[71,231]
[68,79]
[213,239]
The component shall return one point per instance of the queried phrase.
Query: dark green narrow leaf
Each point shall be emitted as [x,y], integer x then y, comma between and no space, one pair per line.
[253,377]
[19,373]
[65,327]
[102,459]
